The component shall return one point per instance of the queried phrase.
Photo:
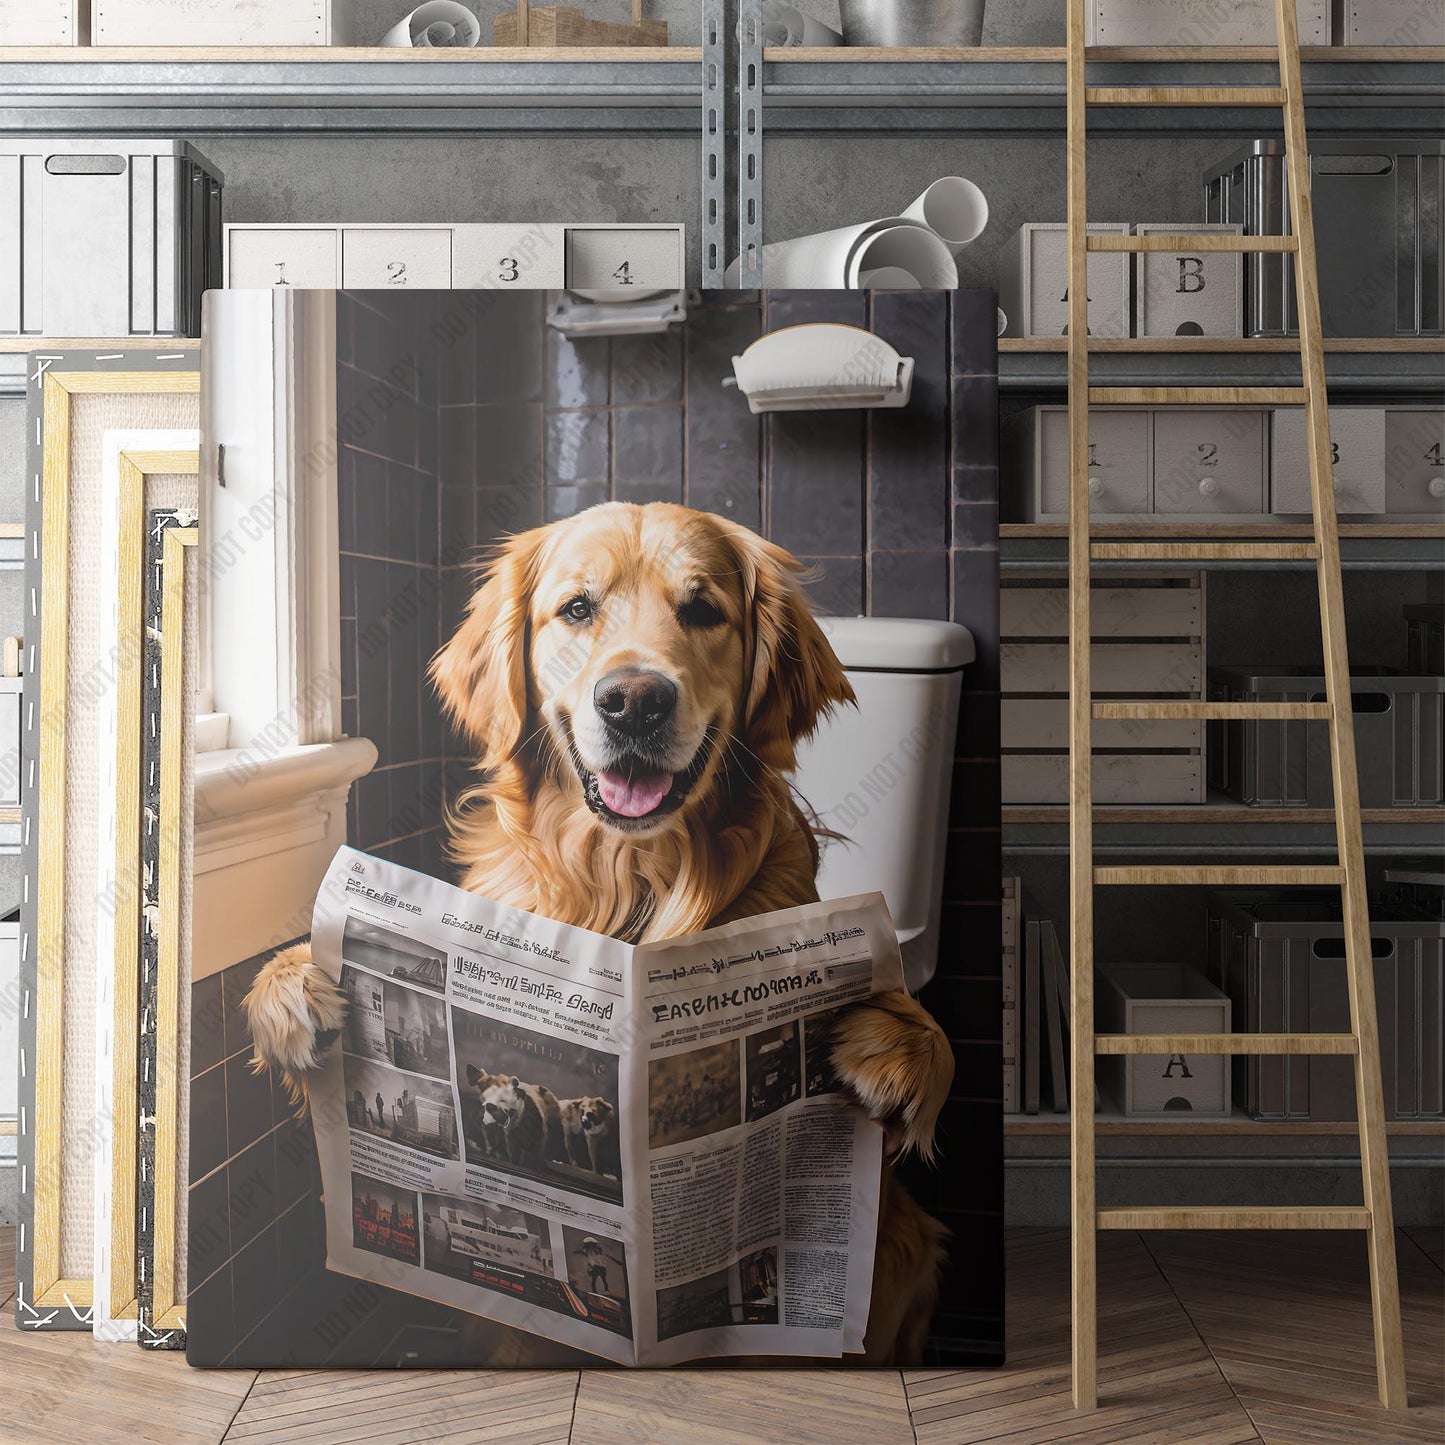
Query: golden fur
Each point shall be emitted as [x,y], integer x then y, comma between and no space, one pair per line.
[721,613]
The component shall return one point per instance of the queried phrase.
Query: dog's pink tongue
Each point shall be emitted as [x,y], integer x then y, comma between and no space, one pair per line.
[633,797]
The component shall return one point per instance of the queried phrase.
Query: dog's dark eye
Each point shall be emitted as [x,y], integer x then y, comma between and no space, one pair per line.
[699,612]
[579,609]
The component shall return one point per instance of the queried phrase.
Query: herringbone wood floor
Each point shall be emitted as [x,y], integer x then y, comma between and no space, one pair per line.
[1204,1340]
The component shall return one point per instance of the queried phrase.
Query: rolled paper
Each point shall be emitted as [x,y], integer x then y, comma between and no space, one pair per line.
[785,25]
[437,25]
[888,278]
[836,260]
[954,209]
[1002,321]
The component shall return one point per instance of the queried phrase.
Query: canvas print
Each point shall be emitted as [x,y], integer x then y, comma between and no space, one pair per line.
[610,606]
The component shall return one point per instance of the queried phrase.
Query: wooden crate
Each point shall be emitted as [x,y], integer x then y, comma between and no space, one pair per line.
[1148,643]
[1151,998]
[555,26]
[220,22]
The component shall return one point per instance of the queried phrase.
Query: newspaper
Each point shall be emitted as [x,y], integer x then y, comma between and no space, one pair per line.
[639,1152]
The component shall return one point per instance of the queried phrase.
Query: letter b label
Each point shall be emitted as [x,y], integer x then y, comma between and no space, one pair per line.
[1191,275]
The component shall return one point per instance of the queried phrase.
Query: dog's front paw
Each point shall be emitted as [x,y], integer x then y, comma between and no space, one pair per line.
[295,1013]
[895,1060]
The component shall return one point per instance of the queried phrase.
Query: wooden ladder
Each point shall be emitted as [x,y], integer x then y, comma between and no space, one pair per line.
[1375,1218]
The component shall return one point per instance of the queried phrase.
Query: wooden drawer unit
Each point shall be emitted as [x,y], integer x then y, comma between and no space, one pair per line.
[1148,643]
[1357,442]
[1209,463]
[1034,282]
[1415,460]
[1118,461]
[42,22]
[305,257]
[376,258]
[1189,293]
[221,22]
[508,257]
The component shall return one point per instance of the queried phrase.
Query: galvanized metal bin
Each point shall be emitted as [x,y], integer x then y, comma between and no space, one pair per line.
[1399,739]
[1425,637]
[1377,210]
[106,238]
[1280,958]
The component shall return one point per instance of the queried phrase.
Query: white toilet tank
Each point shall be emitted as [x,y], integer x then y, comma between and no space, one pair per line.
[881,775]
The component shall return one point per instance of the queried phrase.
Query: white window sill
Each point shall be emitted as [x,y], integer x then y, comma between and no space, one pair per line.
[248,805]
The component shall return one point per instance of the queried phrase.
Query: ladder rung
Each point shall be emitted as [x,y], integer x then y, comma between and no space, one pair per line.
[1185,95]
[1198,395]
[1219,711]
[1222,1217]
[1266,1044]
[1228,876]
[1187,241]
[1205,551]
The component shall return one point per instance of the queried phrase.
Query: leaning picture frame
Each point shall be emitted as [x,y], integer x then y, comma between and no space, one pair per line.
[74,399]
[142,470]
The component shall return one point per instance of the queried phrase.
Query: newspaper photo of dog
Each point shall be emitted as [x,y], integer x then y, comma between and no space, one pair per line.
[536,1106]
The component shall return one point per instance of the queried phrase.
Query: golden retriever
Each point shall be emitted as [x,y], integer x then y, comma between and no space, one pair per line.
[635,681]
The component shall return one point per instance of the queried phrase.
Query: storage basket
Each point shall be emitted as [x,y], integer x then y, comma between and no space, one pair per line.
[1399,739]
[1425,637]
[1280,958]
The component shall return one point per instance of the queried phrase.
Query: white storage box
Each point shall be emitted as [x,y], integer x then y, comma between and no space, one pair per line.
[12,696]
[220,22]
[1189,22]
[1389,22]
[42,22]
[106,237]
[1415,460]
[1038,445]
[1357,442]
[591,256]
[1189,293]
[1149,998]
[1034,282]
[1209,463]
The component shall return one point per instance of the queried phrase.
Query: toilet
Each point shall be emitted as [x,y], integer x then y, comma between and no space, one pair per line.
[881,775]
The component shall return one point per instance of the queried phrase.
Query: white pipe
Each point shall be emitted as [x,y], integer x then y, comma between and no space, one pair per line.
[954,208]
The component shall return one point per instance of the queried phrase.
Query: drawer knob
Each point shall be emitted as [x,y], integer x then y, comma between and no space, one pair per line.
[1096,486]
[1208,487]
[1436,487]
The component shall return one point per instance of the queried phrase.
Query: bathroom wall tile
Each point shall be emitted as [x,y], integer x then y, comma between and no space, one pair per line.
[373,644]
[978,1068]
[458,523]
[975,605]
[248,1104]
[975,328]
[577,371]
[511,344]
[208,1101]
[560,502]
[252,1185]
[578,449]
[647,368]
[208,1024]
[373,810]
[975,796]
[647,454]
[401,539]
[724,438]
[798,308]
[236,982]
[297,1171]
[814,488]
[369,479]
[908,584]
[210,1332]
[406,588]
[255,1282]
[509,445]
[975,523]
[457,447]
[504,510]
[208,1227]
[299,1241]
[978,724]
[972,871]
[836,585]
[345,306]
[428,520]
[908,448]
[346,499]
[975,421]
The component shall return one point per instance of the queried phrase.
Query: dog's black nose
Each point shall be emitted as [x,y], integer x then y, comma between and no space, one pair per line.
[634,702]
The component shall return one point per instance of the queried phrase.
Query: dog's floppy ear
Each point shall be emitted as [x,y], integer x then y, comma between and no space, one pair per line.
[794,676]
[481,674]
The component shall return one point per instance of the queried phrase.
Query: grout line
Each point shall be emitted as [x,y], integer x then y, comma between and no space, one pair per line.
[1193,1324]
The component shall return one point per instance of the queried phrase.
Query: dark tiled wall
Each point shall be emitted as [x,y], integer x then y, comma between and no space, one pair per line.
[897,512]
[389,428]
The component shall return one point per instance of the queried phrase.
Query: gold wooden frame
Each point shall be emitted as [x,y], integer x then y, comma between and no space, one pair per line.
[167,1312]
[134,468]
[47,1286]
